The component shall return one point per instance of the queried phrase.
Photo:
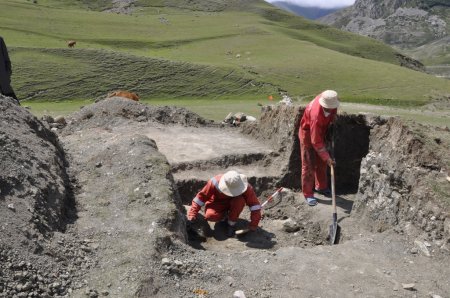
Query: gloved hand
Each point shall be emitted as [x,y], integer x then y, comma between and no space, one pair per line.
[246,230]
[190,222]
[331,162]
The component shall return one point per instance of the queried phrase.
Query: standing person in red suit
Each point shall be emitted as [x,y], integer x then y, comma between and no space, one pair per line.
[317,117]
[224,198]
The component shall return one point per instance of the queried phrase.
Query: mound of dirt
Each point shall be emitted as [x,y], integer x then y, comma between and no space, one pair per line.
[35,191]
[115,111]
[36,202]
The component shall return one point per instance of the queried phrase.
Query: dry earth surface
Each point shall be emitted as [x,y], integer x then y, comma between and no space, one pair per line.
[96,206]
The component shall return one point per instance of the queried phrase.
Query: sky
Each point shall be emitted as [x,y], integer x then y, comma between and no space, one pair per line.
[320,3]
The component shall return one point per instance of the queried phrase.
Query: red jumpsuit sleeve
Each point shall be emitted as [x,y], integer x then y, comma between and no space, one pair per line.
[317,140]
[200,199]
[255,207]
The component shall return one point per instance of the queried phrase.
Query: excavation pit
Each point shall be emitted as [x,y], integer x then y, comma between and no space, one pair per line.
[277,164]
[391,178]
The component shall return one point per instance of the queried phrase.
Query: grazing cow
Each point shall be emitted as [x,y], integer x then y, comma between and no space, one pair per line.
[71,43]
[125,94]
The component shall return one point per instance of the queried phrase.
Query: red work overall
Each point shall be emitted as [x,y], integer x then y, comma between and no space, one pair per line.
[217,204]
[314,154]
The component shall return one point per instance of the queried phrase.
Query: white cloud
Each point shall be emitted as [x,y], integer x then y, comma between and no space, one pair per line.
[320,3]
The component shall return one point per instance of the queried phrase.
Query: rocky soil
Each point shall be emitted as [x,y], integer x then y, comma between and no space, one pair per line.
[96,207]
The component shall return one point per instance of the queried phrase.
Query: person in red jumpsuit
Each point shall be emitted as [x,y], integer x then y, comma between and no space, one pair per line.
[317,117]
[224,198]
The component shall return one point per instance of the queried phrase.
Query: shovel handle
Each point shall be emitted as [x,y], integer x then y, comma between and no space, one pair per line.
[333,190]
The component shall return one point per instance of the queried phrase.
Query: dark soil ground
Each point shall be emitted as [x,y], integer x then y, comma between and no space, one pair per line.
[97,207]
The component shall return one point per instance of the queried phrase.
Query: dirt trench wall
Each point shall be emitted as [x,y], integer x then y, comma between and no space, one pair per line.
[351,144]
[402,184]
[278,125]
[35,191]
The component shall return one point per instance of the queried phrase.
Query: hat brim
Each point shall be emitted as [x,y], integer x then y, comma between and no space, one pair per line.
[329,105]
[235,191]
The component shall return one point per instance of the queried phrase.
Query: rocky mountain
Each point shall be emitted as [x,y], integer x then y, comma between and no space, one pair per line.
[304,11]
[417,27]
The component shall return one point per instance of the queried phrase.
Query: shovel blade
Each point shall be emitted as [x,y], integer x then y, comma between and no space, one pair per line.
[334,231]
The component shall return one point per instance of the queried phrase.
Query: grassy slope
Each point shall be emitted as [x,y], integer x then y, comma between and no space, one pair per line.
[167,52]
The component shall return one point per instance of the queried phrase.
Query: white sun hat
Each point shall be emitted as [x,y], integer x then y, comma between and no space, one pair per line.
[329,99]
[233,184]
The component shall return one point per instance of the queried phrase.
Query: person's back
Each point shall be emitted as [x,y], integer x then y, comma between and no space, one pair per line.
[5,71]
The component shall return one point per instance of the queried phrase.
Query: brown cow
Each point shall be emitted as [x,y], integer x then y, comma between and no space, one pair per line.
[125,94]
[71,43]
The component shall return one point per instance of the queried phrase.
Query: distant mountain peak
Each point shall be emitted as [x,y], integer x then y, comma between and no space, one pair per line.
[309,12]
[414,26]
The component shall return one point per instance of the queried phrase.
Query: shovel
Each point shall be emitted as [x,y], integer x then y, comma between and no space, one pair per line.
[334,226]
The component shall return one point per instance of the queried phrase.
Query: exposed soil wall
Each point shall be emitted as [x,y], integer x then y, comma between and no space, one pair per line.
[279,126]
[36,202]
[351,144]
[402,181]
[188,188]
[34,185]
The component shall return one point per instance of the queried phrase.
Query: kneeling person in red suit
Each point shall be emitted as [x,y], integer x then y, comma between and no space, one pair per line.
[224,198]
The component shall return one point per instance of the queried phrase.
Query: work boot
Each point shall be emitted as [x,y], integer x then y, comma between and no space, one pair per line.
[230,231]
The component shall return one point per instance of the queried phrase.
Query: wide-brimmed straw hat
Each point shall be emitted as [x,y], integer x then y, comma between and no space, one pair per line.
[233,184]
[329,99]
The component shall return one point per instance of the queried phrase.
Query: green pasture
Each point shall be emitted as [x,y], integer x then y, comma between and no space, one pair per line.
[167,53]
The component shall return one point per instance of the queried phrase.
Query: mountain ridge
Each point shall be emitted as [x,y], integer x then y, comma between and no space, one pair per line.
[308,12]
[412,26]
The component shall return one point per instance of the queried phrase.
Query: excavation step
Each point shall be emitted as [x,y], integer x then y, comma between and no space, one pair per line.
[187,144]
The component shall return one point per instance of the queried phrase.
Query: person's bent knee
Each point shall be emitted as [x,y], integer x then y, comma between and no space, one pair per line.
[214,217]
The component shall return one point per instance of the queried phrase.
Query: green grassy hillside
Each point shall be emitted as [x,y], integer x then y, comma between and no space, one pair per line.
[210,49]
[88,74]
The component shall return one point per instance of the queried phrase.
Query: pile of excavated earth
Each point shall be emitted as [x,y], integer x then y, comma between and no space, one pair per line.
[96,206]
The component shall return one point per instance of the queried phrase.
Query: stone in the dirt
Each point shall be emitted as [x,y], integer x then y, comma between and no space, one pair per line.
[238,294]
[423,248]
[165,261]
[11,207]
[290,226]
[60,120]
[408,287]
[414,250]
